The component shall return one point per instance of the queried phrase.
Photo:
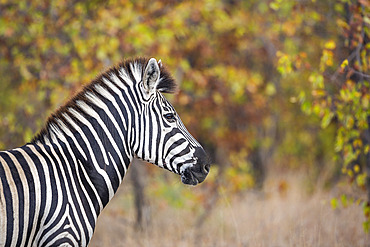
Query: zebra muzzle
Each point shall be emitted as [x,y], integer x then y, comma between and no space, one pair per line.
[187,177]
[195,174]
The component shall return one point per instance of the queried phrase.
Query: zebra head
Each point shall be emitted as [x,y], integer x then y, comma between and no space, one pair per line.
[162,137]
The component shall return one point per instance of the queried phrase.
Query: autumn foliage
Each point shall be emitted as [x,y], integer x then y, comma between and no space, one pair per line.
[264,85]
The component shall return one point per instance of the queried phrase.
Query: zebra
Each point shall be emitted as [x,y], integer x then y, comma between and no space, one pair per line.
[53,189]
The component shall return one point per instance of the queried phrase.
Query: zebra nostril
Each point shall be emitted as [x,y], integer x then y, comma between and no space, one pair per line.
[206,168]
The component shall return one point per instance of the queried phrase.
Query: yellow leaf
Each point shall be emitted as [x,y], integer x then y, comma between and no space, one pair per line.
[330,45]
[366,149]
[356,168]
[344,63]
[270,89]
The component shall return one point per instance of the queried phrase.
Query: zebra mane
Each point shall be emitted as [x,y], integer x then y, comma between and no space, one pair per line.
[166,84]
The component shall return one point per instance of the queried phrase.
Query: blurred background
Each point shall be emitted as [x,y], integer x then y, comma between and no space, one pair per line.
[276,91]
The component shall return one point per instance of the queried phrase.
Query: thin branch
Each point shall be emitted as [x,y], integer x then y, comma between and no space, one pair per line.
[361,74]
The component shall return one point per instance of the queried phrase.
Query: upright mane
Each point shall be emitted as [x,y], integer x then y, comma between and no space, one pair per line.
[166,84]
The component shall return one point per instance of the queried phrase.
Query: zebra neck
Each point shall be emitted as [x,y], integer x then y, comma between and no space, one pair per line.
[89,157]
[94,136]
[97,127]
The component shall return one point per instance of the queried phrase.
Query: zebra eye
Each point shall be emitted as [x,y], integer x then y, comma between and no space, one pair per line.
[170,117]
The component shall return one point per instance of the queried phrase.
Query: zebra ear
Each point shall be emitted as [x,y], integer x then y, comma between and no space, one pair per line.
[151,76]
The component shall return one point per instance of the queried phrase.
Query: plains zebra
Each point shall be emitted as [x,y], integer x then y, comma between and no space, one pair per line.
[53,188]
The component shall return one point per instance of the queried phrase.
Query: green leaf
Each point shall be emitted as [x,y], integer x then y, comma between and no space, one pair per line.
[361,179]
[366,226]
[306,107]
[334,203]
[270,89]
[326,119]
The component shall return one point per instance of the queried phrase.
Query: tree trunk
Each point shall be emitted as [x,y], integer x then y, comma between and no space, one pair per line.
[138,182]
[367,160]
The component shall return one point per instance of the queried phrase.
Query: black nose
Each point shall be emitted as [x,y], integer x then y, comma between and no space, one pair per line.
[196,173]
[206,168]
[201,169]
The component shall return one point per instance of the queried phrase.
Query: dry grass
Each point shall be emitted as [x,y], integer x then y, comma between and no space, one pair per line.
[278,217]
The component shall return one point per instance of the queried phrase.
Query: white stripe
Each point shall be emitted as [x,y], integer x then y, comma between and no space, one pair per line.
[150,126]
[3,216]
[155,133]
[136,70]
[140,131]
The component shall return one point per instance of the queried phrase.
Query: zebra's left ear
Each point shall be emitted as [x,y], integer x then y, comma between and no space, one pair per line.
[151,76]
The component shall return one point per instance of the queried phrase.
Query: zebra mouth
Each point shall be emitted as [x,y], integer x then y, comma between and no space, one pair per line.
[187,177]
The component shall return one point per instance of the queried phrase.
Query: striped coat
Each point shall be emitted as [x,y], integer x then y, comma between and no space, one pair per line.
[53,189]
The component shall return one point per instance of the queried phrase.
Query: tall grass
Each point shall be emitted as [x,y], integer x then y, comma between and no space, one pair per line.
[281,215]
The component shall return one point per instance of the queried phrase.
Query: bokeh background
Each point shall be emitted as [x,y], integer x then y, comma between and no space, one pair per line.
[277,91]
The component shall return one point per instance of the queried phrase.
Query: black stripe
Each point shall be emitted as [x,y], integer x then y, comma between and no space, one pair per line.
[9,204]
[158,139]
[95,177]
[20,196]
